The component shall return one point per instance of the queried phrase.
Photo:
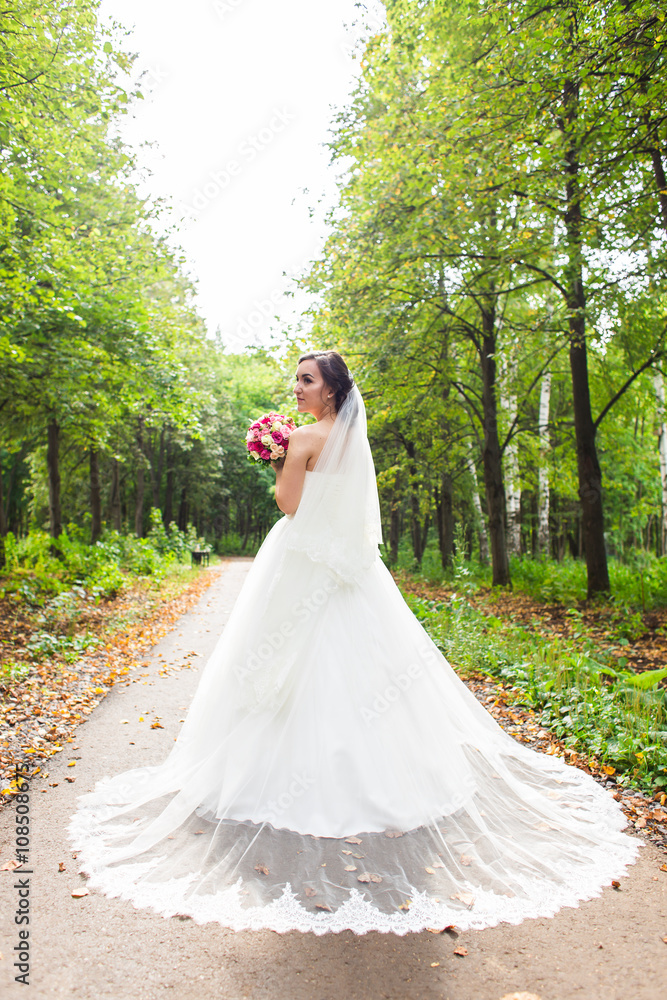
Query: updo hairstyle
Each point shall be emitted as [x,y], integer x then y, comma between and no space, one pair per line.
[335,373]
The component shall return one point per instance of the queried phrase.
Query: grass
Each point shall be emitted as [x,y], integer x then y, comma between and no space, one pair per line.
[576,689]
[638,583]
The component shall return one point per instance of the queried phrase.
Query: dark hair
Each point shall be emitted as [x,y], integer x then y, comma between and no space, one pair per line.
[335,373]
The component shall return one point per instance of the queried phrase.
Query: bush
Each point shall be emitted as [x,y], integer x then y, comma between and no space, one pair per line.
[39,568]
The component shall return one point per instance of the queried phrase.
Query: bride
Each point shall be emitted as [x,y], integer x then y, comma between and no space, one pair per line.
[333,772]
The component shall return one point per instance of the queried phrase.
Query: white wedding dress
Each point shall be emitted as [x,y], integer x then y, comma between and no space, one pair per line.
[333,772]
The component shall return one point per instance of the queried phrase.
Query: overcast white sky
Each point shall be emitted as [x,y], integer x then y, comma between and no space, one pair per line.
[238,99]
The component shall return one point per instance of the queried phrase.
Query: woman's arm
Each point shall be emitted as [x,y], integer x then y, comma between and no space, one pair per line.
[291,472]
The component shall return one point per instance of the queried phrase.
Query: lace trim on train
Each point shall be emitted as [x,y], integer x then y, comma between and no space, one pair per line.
[358,914]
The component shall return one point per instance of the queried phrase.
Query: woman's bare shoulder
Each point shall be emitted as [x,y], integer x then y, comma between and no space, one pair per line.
[308,441]
[309,434]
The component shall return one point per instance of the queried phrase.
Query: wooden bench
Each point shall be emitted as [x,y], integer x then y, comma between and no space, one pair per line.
[200,557]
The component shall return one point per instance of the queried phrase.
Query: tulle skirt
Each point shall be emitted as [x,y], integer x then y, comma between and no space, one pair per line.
[333,772]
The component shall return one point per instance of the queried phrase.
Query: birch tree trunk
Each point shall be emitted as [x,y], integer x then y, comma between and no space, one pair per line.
[659,387]
[543,496]
[512,483]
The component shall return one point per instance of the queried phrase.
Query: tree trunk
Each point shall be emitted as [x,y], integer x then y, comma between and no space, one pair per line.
[493,473]
[588,466]
[659,387]
[3,516]
[53,464]
[419,532]
[394,533]
[183,510]
[513,481]
[395,522]
[661,182]
[168,515]
[445,519]
[141,482]
[482,536]
[139,500]
[543,495]
[95,495]
[157,462]
[116,519]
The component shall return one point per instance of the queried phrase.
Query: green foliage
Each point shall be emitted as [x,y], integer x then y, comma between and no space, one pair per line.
[54,575]
[491,218]
[619,717]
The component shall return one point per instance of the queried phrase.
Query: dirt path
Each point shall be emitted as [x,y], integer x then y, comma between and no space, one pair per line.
[610,948]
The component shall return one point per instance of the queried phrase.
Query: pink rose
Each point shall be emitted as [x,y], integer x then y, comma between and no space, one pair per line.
[265,453]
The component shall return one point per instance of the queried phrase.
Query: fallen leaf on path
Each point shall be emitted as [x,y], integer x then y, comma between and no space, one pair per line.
[663,868]
[434,965]
[350,868]
[464,897]
[310,892]
[461,951]
[346,852]
[79,893]
[323,906]
[61,866]
[262,869]
[466,860]
[615,884]
[393,833]
[352,840]
[429,871]
[9,866]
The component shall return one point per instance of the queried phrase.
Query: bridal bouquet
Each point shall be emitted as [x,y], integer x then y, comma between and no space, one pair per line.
[267,438]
